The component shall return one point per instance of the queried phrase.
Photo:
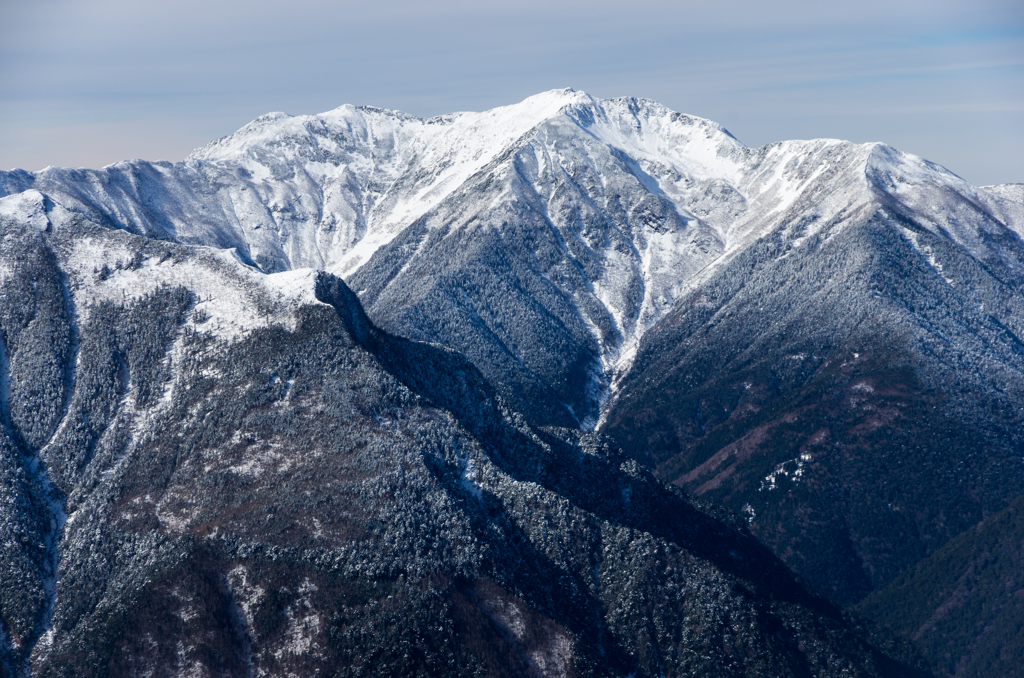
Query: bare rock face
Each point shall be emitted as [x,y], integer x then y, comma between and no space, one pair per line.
[209,469]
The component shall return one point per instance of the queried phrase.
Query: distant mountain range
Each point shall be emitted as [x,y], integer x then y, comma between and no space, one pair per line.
[821,336]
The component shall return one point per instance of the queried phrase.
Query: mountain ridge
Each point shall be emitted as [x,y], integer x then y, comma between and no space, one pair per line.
[346,251]
[594,257]
[254,479]
[273,127]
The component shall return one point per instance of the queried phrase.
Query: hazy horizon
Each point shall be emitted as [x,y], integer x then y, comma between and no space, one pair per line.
[89,84]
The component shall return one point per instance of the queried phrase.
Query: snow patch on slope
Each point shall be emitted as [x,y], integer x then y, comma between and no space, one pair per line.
[231,298]
[28,208]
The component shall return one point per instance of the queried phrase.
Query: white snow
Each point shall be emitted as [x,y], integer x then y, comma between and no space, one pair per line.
[795,474]
[27,208]
[468,477]
[234,299]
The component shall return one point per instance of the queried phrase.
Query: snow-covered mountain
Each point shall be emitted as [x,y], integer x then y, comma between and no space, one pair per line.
[823,335]
[210,470]
[567,217]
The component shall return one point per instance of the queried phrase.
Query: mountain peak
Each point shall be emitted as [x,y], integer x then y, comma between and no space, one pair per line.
[563,96]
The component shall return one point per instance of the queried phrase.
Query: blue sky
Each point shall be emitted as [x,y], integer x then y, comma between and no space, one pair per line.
[87,83]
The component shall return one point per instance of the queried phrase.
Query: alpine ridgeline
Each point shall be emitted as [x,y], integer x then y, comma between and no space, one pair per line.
[821,335]
[210,470]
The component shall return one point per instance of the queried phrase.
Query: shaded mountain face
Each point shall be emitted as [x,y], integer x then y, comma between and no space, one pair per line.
[855,392]
[208,468]
[964,604]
